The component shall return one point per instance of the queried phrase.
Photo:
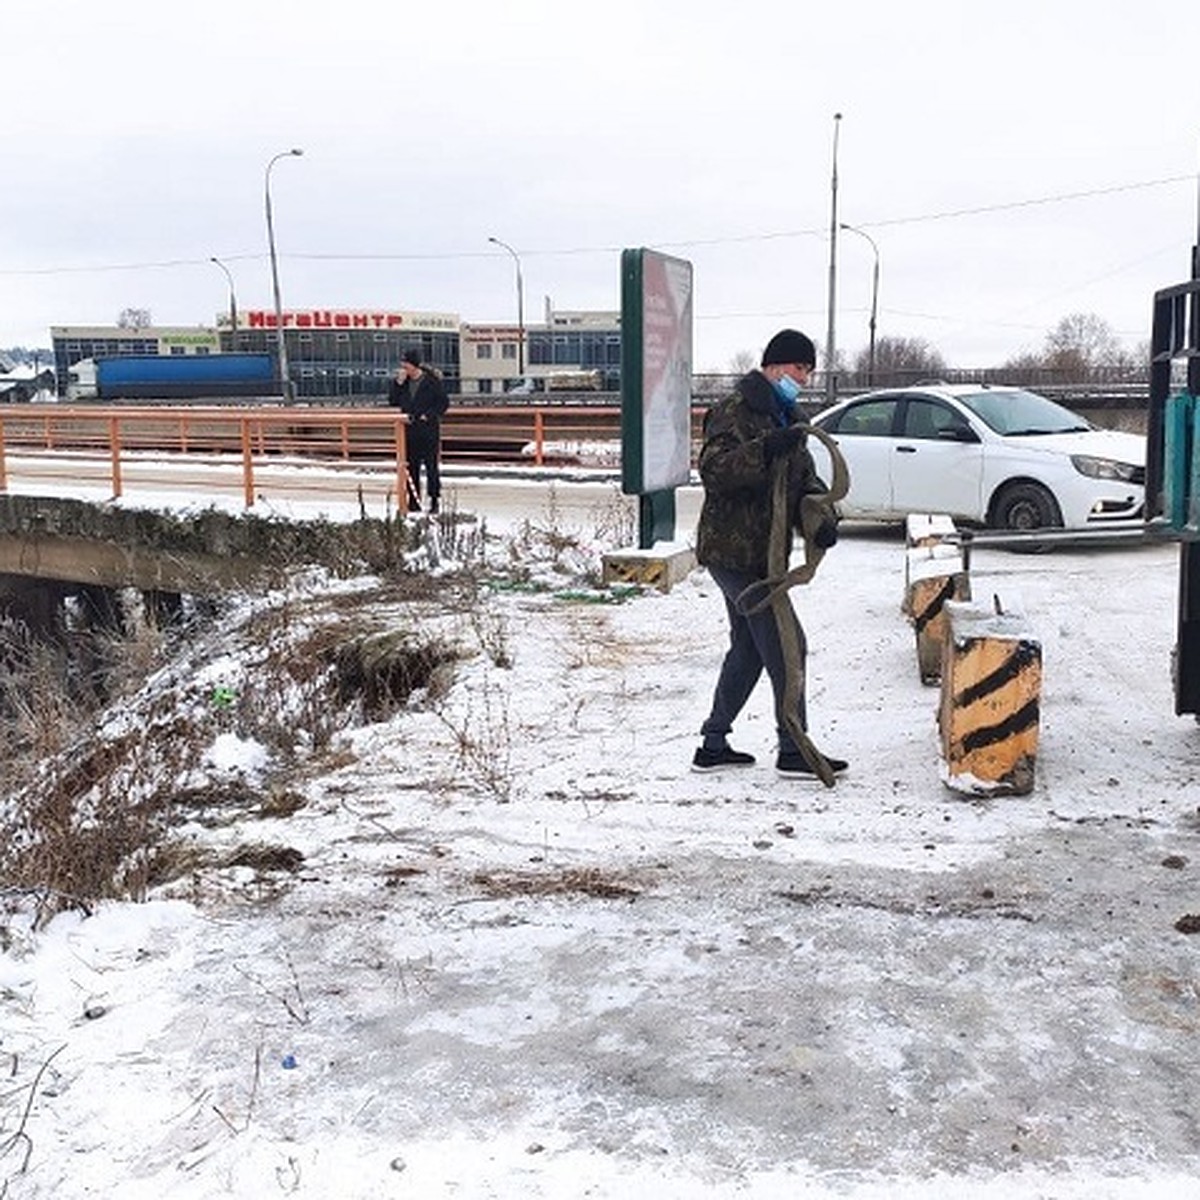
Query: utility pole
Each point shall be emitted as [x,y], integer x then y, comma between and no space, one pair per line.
[280,341]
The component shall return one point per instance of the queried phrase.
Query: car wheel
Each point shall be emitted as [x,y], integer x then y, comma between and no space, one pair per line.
[1024,506]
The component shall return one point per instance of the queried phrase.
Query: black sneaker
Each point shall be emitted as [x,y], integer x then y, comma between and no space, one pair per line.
[796,766]
[714,760]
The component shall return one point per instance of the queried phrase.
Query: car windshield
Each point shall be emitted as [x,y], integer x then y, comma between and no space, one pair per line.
[1014,412]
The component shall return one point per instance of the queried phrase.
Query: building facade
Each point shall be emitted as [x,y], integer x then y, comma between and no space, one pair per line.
[73,343]
[581,344]
[351,354]
[348,353]
[579,341]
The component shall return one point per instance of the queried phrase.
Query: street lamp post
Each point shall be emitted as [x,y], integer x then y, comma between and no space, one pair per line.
[232,303]
[520,306]
[830,336]
[280,343]
[874,300]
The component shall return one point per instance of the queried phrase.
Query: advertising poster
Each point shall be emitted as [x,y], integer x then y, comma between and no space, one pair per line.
[656,371]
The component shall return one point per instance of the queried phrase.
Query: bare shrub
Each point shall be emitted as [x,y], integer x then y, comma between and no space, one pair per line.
[86,826]
[491,632]
[37,714]
[382,670]
[483,739]
[616,521]
[126,657]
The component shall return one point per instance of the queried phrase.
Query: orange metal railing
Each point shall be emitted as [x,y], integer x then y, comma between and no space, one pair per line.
[125,433]
[533,435]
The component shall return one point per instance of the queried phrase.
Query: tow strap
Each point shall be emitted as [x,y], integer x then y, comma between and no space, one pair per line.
[773,590]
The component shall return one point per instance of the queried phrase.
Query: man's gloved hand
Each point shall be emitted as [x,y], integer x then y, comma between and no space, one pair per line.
[818,522]
[782,441]
[826,534]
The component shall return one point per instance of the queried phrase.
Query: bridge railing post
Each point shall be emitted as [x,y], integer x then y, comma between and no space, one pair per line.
[402,481]
[247,462]
[114,445]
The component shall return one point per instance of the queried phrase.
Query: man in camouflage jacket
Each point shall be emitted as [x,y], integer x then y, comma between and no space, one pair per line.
[745,436]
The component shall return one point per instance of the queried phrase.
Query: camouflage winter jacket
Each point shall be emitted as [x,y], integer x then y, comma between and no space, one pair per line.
[735,519]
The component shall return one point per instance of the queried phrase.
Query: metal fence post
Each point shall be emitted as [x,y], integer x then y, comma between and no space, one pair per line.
[114,443]
[401,469]
[247,463]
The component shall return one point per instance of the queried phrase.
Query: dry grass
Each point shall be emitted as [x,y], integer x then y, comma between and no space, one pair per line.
[583,881]
[98,773]
[89,813]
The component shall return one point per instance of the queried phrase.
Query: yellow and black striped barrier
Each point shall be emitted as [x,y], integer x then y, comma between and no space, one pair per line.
[990,707]
[935,573]
[658,567]
[934,581]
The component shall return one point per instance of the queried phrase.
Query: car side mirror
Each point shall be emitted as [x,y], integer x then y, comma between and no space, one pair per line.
[958,433]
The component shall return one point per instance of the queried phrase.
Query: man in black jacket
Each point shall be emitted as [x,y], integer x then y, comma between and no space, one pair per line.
[748,437]
[418,391]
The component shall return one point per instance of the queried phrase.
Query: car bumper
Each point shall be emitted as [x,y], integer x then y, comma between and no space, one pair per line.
[1090,506]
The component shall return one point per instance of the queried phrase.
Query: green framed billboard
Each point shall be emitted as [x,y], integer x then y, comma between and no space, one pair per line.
[656,385]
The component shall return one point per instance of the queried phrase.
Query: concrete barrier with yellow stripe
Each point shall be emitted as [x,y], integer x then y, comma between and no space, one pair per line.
[662,566]
[935,573]
[989,714]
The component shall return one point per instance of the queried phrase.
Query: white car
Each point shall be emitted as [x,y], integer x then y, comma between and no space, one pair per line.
[988,455]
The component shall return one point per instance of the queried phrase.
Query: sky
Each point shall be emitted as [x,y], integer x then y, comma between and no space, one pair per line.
[1012,163]
[889,990]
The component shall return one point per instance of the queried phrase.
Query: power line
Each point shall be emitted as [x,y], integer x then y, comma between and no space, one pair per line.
[1057,199]
[733,239]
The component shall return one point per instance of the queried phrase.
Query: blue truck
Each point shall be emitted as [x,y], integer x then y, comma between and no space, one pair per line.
[174,377]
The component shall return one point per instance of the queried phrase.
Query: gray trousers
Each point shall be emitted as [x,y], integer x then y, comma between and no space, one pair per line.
[753,645]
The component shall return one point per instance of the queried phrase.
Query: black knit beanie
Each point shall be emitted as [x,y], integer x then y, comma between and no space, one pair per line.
[790,346]
[412,357]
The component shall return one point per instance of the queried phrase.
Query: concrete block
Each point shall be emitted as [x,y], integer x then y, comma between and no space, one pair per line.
[661,566]
[936,576]
[990,701]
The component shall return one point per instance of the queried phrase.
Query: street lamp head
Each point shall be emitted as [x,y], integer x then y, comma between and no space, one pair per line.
[520,304]
[296,151]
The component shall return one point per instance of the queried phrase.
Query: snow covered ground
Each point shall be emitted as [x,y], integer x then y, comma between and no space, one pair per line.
[529,953]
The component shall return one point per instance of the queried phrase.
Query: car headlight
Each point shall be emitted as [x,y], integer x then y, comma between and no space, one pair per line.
[1104,468]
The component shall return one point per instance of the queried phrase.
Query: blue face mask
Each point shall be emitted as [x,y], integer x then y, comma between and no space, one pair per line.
[787,389]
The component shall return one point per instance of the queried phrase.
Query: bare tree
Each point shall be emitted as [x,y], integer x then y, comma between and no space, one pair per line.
[1079,347]
[1027,369]
[900,360]
[743,362]
[1079,343]
[134,318]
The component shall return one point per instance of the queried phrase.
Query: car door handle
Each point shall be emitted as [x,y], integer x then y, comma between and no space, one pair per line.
[906,449]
